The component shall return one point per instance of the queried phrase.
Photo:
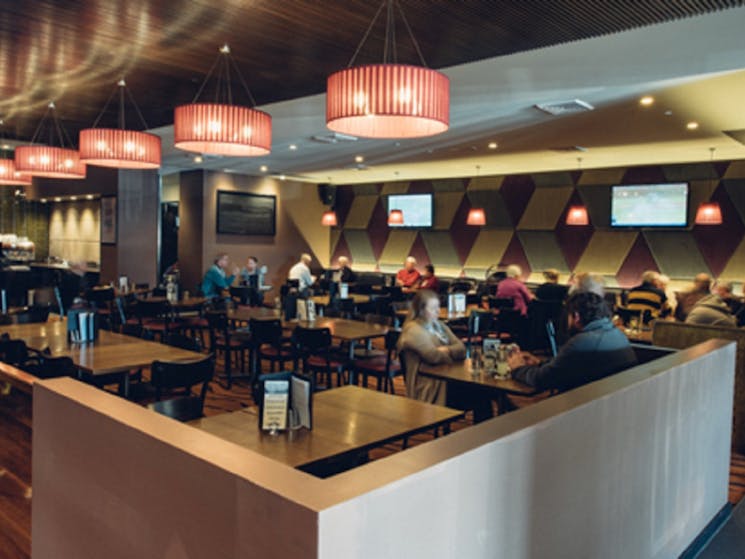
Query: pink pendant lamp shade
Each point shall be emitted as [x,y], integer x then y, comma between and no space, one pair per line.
[123,149]
[709,213]
[388,101]
[396,217]
[50,162]
[476,216]
[329,219]
[577,215]
[222,129]
[9,175]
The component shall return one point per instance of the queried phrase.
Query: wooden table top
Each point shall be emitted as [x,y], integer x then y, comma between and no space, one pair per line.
[342,328]
[245,314]
[191,302]
[463,372]
[110,353]
[345,419]
[323,300]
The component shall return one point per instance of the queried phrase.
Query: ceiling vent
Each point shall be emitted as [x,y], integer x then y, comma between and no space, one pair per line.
[333,138]
[572,149]
[565,107]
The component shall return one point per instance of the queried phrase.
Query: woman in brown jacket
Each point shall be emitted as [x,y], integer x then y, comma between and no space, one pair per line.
[425,339]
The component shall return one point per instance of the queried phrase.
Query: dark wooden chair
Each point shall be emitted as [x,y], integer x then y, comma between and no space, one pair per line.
[383,367]
[103,300]
[269,344]
[224,339]
[156,316]
[167,377]
[182,341]
[313,348]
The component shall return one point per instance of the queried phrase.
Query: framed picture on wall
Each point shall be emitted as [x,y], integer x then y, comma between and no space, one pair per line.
[108,220]
[240,213]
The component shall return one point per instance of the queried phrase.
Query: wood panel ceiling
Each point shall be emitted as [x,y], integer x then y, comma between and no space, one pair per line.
[73,51]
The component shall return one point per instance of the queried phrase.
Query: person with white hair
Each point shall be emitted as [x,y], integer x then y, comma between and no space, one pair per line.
[647,296]
[301,273]
[346,274]
[513,288]
[408,276]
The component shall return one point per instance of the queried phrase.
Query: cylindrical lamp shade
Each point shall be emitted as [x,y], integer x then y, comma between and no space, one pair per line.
[9,175]
[396,217]
[222,129]
[388,101]
[51,162]
[578,216]
[123,149]
[709,214]
[329,219]
[476,216]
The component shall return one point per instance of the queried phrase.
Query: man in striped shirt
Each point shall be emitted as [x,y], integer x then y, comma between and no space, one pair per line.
[647,297]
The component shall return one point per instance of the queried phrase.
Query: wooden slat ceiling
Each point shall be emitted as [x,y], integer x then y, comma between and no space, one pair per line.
[73,51]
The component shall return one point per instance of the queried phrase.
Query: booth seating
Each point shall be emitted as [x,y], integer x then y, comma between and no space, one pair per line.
[680,335]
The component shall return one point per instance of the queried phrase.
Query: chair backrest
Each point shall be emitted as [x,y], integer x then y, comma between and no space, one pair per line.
[460,286]
[183,341]
[309,340]
[159,292]
[100,296]
[265,331]
[479,322]
[152,309]
[501,303]
[13,352]
[243,293]
[134,330]
[32,315]
[166,375]
[53,367]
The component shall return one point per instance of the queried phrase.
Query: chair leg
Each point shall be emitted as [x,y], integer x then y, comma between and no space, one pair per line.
[228,371]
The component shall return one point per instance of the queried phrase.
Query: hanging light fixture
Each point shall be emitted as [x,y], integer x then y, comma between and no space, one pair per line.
[476,216]
[388,100]
[222,128]
[329,218]
[50,161]
[396,217]
[577,215]
[119,147]
[8,173]
[709,213]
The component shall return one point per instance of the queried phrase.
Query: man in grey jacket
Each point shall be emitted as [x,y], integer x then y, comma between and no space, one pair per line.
[711,311]
[597,349]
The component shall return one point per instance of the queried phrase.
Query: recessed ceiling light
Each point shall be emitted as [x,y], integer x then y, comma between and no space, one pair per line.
[58,199]
[89,197]
[263,168]
[492,145]
[43,200]
[359,158]
[6,146]
[293,147]
[73,198]
[198,159]
[646,101]
[693,125]
[282,177]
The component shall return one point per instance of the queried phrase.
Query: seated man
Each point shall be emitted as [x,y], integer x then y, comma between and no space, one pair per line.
[216,279]
[429,280]
[597,349]
[301,273]
[408,276]
[686,301]
[711,311]
[647,296]
[551,289]
[345,272]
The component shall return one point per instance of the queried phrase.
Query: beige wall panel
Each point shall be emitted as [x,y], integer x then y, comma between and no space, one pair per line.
[488,249]
[395,187]
[359,247]
[441,250]
[445,206]
[700,191]
[676,253]
[305,210]
[170,188]
[334,236]
[360,212]
[542,251]
[555,179]
[736,170]
[75,231]
[486,183]
[448,185]
[606,252]
[397,248]
[602,176]
[544,208]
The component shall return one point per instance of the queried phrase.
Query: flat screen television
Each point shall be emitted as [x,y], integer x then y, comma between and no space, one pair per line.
[417,209]
[649,205]
[240,213]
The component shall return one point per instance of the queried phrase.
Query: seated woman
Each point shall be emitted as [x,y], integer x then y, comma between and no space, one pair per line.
[216,279]
[424,339]
[513,288]
[429,280]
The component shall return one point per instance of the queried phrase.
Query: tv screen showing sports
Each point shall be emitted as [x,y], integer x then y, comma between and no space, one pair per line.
[649,205]
[417,209]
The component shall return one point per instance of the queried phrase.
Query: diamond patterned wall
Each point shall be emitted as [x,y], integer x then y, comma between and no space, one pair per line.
[526,217]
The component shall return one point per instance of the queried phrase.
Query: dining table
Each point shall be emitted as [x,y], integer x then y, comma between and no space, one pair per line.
[346,421]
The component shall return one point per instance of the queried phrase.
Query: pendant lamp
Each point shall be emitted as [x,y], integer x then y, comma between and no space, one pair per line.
[476,216]
[709,213]
[577,215]
[388,100]
[329,218]
[9,175]
[222,128]
[50,161]
[396,217]
[118,147]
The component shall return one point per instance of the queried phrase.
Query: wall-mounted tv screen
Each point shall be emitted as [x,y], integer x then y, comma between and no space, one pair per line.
[649,205]
[417,209]
[240,213]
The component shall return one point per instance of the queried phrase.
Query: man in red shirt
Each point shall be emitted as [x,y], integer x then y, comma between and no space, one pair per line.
[408,276]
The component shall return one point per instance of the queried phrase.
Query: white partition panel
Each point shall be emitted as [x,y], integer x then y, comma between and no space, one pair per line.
[632,466]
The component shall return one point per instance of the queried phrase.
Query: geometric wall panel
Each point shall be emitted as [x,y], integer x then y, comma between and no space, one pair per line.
[677,253]
[718,243]
[736,193]
[592,177]
[358,243]
[545,207]
[559,178]
[399,187]
[485,183]
[542,250]
[493,205]
[735,269]
[516,191]
[445,206]
[638,260]
[488,249]
[606,252]
[689,172]
[597,200]
[449,185]
[360,212]
[341,248]
[700,192]
[441,251]
[398,247]
[515,254]
[573,239]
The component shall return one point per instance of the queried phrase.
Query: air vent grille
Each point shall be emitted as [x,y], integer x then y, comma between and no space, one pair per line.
[565,107]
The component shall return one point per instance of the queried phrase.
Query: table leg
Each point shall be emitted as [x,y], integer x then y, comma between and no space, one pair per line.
[352,372]
[125,383]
